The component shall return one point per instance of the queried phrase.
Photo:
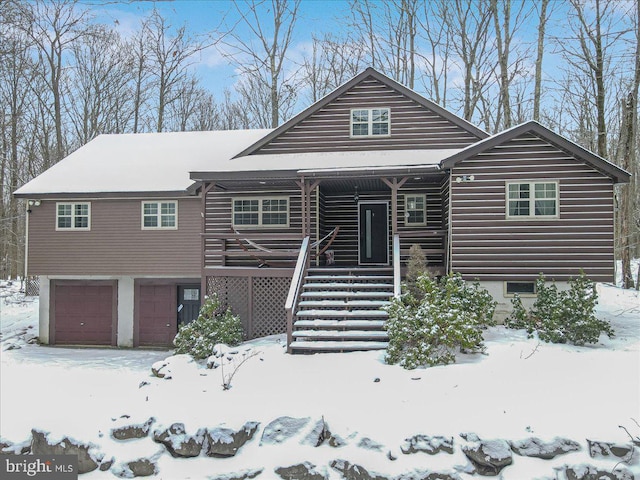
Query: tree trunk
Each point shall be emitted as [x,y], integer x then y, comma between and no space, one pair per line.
[537,89]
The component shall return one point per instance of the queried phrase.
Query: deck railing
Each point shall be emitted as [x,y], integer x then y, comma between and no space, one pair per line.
[296,285]
[234,245]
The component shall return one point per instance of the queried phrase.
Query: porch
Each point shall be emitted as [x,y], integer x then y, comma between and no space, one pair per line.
[261,273]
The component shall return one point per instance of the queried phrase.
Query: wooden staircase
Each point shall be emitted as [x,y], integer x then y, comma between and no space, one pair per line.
[339,310]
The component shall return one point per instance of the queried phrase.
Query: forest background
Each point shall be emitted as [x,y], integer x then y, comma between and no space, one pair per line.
[71,70]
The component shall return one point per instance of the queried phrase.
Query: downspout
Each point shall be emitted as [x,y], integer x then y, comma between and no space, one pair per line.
[450,224]
[26,244]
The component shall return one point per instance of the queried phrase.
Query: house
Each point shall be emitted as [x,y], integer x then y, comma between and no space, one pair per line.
[129,232]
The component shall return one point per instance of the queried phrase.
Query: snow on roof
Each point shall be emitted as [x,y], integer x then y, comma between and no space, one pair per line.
[328,161]
[143,162]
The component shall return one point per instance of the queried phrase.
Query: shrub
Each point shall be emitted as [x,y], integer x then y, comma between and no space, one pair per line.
[416,267]
[562,316]
[451,314]
[214,325]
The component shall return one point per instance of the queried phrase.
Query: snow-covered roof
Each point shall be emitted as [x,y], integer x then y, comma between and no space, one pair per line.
[318,162]
[143,162]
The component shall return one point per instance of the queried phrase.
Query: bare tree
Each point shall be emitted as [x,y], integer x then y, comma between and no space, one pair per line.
[537,89]
[262,57]
[436,59]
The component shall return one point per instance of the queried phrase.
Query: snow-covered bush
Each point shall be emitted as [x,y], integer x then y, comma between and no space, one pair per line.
[214,325]
[450,315]
[562,316]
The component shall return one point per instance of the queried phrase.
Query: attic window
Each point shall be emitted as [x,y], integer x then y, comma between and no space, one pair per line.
[370,122]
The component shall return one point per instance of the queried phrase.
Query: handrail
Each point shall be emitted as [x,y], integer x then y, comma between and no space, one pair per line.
[296,284]
[397,288]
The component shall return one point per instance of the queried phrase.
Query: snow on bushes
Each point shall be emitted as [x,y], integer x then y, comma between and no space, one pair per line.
[446,315]
[214,325]
[562,316]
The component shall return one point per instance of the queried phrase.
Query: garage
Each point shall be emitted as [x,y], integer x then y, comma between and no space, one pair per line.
[84,313]
[157,323]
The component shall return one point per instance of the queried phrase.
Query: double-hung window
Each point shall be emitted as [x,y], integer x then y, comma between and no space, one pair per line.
[415,210]
[261,212]
[73,216]
[532,200]
[159,215]
[370,122]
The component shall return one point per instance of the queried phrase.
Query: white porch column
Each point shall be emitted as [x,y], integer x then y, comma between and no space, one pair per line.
[125,311]
[43,309]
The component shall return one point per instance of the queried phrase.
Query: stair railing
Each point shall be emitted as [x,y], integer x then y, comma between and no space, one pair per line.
[299,273]
[397,279]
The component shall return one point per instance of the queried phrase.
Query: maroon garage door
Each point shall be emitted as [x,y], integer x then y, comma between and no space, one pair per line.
[157,317]
[84,313]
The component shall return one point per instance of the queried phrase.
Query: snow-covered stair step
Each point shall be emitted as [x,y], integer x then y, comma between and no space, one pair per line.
[352,286]
[342,334]
[350,278]
[346,324]
[328,346]
[343,303]
[342,313]
[345,294]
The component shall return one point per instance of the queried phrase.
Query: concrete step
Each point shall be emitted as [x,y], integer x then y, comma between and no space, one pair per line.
[312,294]
[387,279]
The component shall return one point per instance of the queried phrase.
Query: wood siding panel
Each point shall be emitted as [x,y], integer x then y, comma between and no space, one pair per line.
[413,126]
[116,243]
[488,246]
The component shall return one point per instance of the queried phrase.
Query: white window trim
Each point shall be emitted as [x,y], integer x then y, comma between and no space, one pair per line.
[370,120]
[260,212]
[73,216]
[406,210]
[158,215]
[532,200]
[521,295]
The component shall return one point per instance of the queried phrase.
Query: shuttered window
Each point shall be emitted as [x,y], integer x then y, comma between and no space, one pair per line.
[370,122]
[261,212]
[532,199]
[73,216]
[159,215]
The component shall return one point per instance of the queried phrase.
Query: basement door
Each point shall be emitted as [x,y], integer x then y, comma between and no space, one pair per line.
[373,233]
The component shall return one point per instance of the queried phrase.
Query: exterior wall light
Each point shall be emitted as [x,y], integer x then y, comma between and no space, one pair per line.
[465,178]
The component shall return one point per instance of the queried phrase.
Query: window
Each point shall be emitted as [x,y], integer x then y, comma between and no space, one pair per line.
[521,288]
[261,212]
[415,209]
[532,199]
[370,122]
[159,215]
[73,216]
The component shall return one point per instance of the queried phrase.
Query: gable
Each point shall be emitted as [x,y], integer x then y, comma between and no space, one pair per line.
[415,123]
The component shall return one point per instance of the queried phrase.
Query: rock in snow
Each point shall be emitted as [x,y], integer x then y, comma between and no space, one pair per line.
[352,471]
[589,472]
[178,442]
[489,457]
[608,449]
[89,457]
[535,447]
[242,475]
[128,431]
[282,429]
[225,442]
[301,471]
[427,444]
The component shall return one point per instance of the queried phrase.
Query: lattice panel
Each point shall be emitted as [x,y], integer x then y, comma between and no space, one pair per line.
[269,297]
[234,292]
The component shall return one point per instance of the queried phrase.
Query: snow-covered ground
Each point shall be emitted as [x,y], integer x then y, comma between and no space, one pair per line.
[519,389]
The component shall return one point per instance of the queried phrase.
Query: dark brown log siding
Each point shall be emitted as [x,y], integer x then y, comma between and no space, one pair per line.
[218,220]
[116,243]
[487,246]
[412,125]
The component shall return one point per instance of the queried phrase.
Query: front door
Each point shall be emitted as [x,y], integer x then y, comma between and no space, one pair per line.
[188,303]
[373,236]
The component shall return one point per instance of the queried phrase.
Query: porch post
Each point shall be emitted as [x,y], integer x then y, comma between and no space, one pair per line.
[394,184]
[303,207]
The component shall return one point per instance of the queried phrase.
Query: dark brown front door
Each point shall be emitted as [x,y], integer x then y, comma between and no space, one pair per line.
[83,313]
[188,303]
[157,318]
[373,237]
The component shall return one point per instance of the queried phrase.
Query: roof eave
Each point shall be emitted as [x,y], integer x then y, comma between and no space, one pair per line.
[92,195]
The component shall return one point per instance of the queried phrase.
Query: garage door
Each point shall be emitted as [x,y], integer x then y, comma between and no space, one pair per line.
[157,315]
[84,313]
